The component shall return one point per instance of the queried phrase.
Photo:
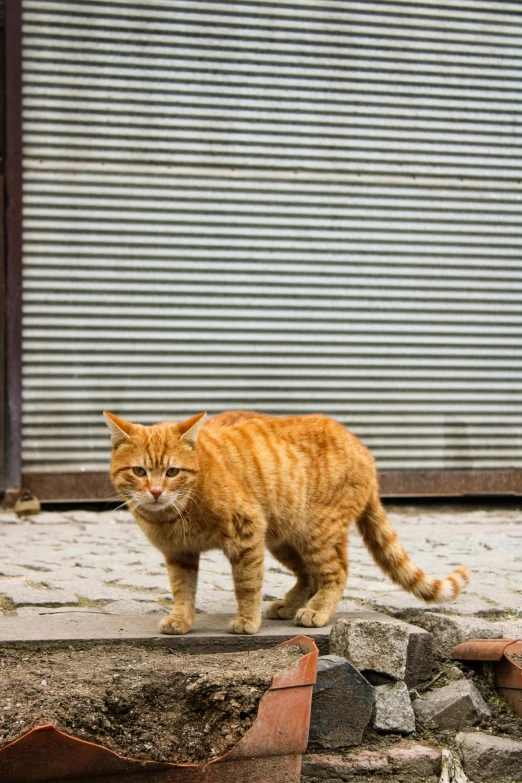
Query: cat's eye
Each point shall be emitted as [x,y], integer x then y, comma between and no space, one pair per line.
[139,471]
[172,472]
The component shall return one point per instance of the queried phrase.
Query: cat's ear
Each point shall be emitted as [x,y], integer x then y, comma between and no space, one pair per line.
[120,429]
[189,429]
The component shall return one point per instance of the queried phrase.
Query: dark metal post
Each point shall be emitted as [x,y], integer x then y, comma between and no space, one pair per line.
[13,246]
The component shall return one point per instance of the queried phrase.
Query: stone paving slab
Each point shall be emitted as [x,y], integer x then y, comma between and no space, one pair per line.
[208,634]
[101,560]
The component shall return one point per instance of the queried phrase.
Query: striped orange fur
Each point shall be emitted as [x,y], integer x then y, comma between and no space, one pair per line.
[241,481]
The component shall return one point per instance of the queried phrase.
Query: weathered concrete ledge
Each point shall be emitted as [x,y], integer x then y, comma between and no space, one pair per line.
[209,633]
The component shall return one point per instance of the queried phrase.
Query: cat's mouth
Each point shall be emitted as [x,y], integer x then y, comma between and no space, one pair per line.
[159,503]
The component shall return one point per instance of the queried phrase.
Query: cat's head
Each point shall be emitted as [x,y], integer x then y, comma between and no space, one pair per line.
[154,467]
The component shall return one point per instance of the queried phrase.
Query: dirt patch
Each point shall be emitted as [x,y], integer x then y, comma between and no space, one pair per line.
[143,703]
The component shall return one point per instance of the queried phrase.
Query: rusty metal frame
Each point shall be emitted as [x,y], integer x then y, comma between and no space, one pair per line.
[13,247]
[450,483]
[95,486]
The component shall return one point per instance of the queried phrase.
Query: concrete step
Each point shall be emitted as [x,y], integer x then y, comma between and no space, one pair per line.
[208,635]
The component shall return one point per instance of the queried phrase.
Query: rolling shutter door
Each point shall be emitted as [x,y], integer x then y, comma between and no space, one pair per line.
[292,207]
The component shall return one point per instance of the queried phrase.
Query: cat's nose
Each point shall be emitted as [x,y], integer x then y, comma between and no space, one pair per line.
[156,493]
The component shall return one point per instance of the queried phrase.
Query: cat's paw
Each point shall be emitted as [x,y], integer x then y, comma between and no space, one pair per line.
[278,610]
[175,624]
[310,618]
[241,625]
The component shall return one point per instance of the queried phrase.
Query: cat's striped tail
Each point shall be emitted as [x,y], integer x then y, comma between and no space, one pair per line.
[388,552]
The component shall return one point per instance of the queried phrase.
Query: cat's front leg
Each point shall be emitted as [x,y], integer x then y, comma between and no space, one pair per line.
[247,570]
[183,574]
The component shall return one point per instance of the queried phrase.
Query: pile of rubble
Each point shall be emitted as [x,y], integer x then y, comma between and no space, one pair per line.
[387,707]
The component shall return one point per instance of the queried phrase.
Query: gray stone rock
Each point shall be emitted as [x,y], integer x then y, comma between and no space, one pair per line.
[488,758]
[342,704]
[392,711]
[455,706]
[384,648]
[512,629]
[448,630]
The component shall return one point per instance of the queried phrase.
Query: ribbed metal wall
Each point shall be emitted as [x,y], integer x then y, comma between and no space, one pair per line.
[293,207]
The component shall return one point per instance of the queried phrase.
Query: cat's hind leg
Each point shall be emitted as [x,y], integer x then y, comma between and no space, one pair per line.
[327,563]
[303,589]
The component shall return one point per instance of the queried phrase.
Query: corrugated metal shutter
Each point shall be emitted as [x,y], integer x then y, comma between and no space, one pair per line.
[294,207]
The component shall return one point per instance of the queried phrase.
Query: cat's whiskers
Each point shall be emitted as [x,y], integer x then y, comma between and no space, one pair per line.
[118,508]
[132,508]
[195,493]
[113,496]
[180,509]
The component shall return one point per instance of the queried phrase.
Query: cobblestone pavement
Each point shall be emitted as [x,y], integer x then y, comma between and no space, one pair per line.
[85,561]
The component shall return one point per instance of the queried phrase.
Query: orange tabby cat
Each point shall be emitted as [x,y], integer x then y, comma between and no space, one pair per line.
[242,481]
